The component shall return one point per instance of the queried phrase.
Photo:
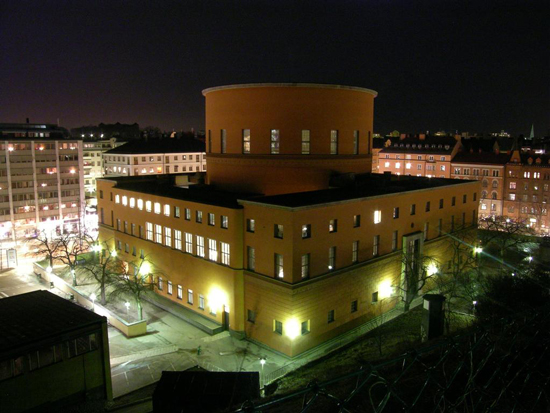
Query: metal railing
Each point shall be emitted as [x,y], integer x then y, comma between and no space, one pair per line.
[504,367]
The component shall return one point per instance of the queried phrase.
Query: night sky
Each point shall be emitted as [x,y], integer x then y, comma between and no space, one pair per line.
[477,66]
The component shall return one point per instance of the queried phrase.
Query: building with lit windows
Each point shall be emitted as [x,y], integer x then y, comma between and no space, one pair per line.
[292,241]
[155,157]
[41,183]
[93,162]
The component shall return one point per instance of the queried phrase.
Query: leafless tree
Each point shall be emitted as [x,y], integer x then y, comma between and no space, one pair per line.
[70,247]
[103,268]
[47,245]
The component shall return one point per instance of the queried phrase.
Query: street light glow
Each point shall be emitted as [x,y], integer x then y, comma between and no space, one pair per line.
[478,250]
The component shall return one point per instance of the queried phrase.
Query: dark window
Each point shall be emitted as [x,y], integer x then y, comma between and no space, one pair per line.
[356,221]
[441,203]
[101,194]
[330,317]
[278,231]
[251,316]
[375,297]
[428,206]
[354,306]
[176,212]
[453,201]
[305,327]
[396,212]
[413,209]
[278,327]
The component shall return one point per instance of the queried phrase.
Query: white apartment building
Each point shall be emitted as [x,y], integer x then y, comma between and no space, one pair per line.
[93,162]
[41,186]
[155,157]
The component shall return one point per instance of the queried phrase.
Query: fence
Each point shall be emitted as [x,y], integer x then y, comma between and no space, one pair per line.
[501,368]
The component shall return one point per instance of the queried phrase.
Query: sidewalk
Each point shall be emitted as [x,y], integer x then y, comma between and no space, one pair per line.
[172,344]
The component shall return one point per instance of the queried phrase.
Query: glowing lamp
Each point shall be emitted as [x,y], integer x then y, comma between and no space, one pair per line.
[432,269]
[385,289]
[145,268]
[478,250]
[292,328]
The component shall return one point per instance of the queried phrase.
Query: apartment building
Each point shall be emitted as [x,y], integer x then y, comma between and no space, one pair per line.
[428,156]
[41,183]
[155,157]
[93,162]
[285,245]
[527,190]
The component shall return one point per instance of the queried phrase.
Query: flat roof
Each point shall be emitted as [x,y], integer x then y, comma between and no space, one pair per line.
[365,186]
[154,146]
[297,85]
[38,315]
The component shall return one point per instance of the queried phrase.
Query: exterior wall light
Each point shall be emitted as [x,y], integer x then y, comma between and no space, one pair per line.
[292,328]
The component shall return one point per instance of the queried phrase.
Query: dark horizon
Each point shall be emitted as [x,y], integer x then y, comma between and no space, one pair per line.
[451,65]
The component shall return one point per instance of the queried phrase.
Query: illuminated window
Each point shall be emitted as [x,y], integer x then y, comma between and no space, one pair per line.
[306,231]
[157,208]
[305,142]
[167,237]
[125,200]
[190,297]
[212,250]
[333,225]
[408,165]
[274,141]
[224,222]
[158,234]
[225,253]
[279,270]
[201,302]
[180,292]
[177,239]
[278,231]
[211,219]
[167,210]
[148,205]
[198,217]
[246,140]
[334,142]
[250,225]
[132,202]
[169,289]
[377,217]
[200,246]
[159,283]
[398,164]
[149,227]
[386,164]
[117,199]
[176,212]
[187,214]
[189,243]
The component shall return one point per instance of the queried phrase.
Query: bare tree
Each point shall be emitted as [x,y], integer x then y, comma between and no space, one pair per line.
[136,279]
[103,268]
[48,245]
[70,247]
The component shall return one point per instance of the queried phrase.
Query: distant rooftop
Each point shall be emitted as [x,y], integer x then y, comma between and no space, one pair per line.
[296,85]
[166,145]
[364,186]
[431,144]
[37,315]
[11,131]
[481,158]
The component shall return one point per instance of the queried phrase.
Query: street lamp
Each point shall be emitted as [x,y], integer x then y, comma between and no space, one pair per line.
[114,253]
[93,297]
[478,250]
[127,305]
[49,269]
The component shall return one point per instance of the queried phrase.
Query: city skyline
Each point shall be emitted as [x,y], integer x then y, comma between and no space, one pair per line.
[436,65]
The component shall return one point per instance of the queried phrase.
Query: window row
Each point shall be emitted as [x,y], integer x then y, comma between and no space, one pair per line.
[189,294]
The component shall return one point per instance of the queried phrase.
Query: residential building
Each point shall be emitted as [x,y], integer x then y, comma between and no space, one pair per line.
[290,220]
[106,131]
[527,190]
[53,353]
[424,155]
[93,163]
[41,181]
[155,157]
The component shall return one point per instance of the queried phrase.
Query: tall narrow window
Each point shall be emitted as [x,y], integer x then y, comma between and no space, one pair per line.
[212,250]
[246,140]
[251,253]
[158,234]
[189,243]
[274,141]
[306,231]
[225,253]
[375,245]
[428,206]
[394,241]
[209,141]
[177,239]
[331,258]
[200,246]
[167,236]
[377,217]
[250,225]
[190,297]
[413,209]
[305,265]
[355,142]
[355,252]
[356,221]
[426,229]
[306,142]
[279,270]
[223,139]
[395,212]
[334,142]
[278,231]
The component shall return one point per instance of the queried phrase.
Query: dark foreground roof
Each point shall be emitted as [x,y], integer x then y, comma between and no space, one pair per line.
[364,186]
[167,145]
[37,315]
[204,391]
